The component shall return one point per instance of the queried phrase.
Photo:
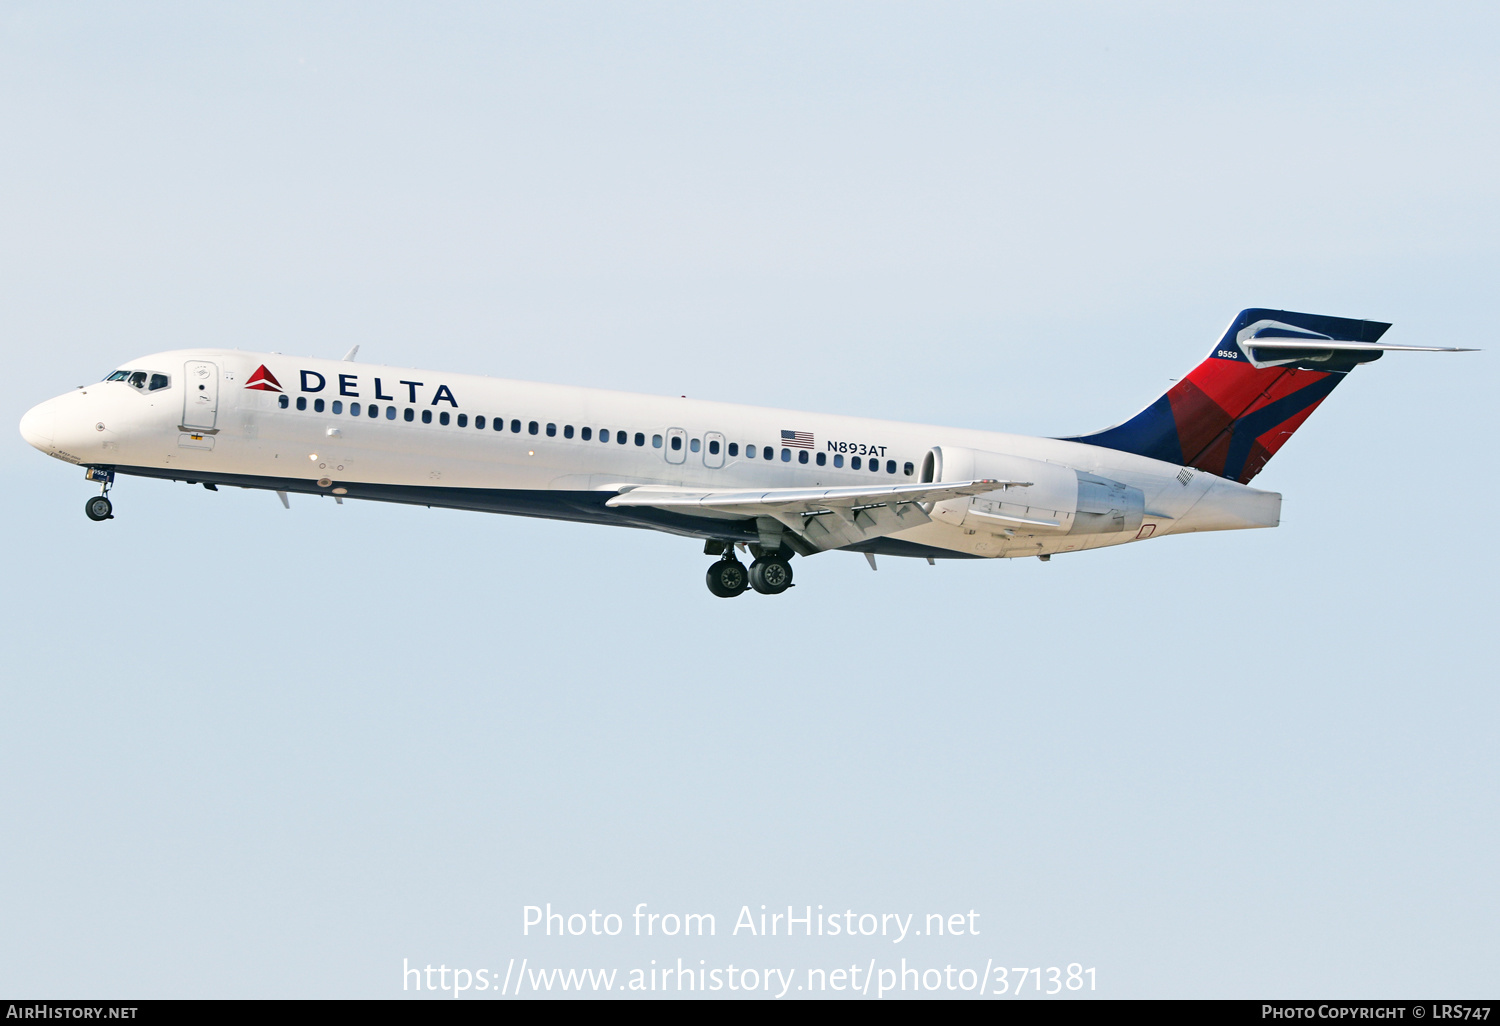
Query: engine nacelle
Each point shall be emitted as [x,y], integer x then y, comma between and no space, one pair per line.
[1105,506]
[1057,501]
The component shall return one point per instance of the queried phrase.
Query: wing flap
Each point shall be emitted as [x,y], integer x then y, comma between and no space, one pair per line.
[827,518]
[764,502]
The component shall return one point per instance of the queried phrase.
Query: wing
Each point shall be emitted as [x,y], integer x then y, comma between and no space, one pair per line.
[825,518]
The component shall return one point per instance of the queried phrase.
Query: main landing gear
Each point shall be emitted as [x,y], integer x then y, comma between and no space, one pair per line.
[99,507]
[728,578]
[770,574]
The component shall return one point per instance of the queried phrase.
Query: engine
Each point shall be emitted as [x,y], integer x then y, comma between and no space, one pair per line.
[1055,500]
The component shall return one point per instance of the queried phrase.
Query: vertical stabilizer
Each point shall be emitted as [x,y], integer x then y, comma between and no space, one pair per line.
[1232,413]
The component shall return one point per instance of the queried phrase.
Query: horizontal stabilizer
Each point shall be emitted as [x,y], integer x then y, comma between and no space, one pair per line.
[1303,343]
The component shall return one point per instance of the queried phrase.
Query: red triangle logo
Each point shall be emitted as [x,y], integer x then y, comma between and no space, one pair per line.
[263,380]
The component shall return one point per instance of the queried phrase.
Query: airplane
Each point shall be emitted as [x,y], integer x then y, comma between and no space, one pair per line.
[742,479]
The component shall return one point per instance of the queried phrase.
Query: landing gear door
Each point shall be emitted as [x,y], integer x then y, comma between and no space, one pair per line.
[713,449]
[200,401]
[676,450]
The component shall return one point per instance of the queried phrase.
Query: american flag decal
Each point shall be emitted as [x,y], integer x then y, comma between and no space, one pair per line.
[797,439]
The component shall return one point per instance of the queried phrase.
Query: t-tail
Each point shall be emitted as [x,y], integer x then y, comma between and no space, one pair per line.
[1261,382]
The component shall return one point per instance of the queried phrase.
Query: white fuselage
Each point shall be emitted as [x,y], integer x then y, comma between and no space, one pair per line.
[212,423]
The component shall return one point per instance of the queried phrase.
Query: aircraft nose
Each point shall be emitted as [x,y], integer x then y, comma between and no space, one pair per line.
[37,426]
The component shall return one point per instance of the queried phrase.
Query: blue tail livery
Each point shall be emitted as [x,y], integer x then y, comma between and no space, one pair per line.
[1238,407]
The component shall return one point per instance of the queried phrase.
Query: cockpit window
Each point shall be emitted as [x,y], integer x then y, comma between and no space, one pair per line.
[143,381]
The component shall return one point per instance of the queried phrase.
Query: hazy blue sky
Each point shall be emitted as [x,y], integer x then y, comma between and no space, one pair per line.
[249,751]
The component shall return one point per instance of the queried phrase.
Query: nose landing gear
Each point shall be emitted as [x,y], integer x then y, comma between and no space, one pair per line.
[99,507]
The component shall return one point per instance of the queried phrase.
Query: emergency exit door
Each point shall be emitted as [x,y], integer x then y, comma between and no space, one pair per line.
[713,449]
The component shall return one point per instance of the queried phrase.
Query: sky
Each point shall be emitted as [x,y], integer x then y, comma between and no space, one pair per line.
[257,752]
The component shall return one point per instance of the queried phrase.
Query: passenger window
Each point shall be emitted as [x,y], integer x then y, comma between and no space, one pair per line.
[822,458]
[317,406]
[567,430]
[854,463]
[749,452]
[442,418]
[551,430]
[390,413]
[694,445]
[676,443]
[338,407]
[768,452]
[786,455]
[463,420]
[604,435]
[734,448]
[838,460]
[302,402]
[354,409]
[586,434]
[283,402]
[479,422]
[890,466]
[801,455]
[908,469]
[158,381]
[656,441]
[621,437]
[374,411]
[713,447]
[874,466]
[515,427]
[533,428]
[138,379]
[640,438]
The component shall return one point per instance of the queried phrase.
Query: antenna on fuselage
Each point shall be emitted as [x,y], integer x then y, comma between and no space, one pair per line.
[284,500]
[349,356]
